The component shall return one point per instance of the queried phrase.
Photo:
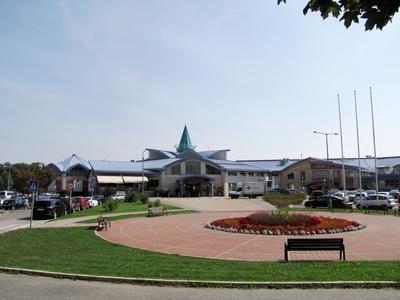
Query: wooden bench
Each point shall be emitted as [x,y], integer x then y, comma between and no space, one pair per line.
[157,211]
[315,245]
[103,223]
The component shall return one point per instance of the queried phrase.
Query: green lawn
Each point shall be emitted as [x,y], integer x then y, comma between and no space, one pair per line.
[79,250]
[339,210]
[116,218]
[122,207]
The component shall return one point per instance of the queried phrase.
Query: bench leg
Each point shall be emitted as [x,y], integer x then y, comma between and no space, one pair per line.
[286,254]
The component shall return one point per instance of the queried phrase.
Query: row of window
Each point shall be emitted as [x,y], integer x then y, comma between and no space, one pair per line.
[194,168]
[244,174]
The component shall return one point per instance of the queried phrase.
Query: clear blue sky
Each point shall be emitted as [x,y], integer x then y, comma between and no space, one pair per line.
[106,79]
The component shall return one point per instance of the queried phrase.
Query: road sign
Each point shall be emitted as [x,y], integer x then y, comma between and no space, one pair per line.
[33,185]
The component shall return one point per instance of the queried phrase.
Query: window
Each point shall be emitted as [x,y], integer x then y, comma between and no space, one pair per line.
[290,176]
[176,170]
[319,174]
[302,175]
[210,170]
[242,174]
[251,174]
[232,174]
[193,167]
[260,174]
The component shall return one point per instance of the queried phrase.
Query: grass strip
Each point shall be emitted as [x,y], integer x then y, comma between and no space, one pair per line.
[130,216]
[339,210]
[79,250]
[122,207]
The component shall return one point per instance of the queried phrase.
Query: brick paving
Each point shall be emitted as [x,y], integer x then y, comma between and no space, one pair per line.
[186,235]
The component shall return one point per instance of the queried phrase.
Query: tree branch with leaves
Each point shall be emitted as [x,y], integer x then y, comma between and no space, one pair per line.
[377,13]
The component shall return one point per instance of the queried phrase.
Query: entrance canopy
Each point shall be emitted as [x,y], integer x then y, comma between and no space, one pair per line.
[110,179]
[134,179]
[196,177]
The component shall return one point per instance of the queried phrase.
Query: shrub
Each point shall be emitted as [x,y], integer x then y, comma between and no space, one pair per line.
[157,203]
[284,200]
[133,196]
[144,198]
[110,204]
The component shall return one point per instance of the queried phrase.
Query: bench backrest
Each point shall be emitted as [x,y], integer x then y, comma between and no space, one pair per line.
[332,243]
[156,209]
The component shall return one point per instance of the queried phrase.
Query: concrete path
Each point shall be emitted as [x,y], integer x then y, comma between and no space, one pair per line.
[219,204]
[186,235]
[23,287]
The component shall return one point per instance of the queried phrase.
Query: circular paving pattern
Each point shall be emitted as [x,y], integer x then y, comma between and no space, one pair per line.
[186,235]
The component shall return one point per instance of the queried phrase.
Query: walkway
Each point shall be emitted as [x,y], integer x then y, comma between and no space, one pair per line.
[186,235]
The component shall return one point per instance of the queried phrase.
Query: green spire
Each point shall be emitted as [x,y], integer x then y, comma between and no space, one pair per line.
[185,142]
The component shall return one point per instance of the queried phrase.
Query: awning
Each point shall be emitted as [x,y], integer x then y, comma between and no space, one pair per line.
[110,179]
[134,179]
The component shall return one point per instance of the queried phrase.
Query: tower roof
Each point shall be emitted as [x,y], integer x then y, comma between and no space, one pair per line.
[185,142]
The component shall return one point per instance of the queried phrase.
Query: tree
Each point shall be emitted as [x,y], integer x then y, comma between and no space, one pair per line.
[21,173]
[377,13]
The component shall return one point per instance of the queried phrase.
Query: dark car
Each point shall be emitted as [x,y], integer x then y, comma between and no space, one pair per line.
[15,202]
[337,202]
[48,208]
[316,194]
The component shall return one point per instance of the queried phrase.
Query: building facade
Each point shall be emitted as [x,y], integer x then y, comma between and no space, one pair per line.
[186,172]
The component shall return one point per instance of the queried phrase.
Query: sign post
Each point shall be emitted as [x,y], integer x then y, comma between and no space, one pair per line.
[33,188]
[70,188]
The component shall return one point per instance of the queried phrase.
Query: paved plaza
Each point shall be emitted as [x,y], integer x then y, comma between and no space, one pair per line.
[186,235]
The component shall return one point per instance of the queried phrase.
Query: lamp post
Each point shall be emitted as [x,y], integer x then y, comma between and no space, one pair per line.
[143,171]
[9,178]
[327,161]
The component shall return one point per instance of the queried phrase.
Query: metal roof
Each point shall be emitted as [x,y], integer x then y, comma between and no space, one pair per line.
[273,165]
[235,166]
[168,154]
[117,167]
[71,162]
[211,153]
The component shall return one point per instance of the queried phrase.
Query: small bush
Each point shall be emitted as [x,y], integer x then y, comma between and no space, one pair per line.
[284,200]
[133,196]
[144,198]
[157,203]
[110,204]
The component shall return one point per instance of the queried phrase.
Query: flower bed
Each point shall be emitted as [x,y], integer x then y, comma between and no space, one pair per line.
[284,223]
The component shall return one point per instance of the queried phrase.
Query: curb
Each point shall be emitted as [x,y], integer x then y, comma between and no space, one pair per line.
[209,284]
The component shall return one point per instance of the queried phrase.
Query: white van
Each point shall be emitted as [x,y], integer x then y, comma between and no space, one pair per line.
[4,195]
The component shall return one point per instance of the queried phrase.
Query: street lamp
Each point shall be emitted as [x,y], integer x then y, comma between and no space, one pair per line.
[327,160]
[143,171]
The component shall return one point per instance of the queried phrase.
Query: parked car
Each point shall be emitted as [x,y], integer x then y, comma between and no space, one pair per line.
[360,196]
[120,195]
[16,202]
[92,202]
[99,198]
[48,208]
[83,203]
[71,205]
[395,194]
[316,194]
[4,195]
[377,201]
[322,201]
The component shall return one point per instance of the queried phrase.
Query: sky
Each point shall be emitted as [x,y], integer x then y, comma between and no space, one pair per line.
[107,79]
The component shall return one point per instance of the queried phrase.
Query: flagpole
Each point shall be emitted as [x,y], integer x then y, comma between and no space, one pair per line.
[341,145]
[373,134]
[358,144]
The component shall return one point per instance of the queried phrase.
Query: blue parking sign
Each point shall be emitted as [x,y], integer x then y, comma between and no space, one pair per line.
[33,185]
